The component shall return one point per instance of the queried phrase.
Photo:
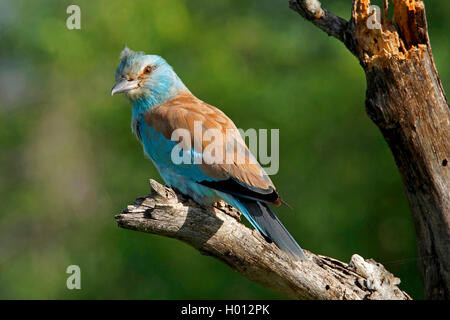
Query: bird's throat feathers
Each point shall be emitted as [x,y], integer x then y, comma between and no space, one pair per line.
[162,87]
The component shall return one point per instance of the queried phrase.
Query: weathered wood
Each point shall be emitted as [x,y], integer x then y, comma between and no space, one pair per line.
[217,231]
[312,11]
[406,101]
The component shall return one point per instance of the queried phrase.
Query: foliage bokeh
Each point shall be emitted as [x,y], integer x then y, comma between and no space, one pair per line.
[69,162]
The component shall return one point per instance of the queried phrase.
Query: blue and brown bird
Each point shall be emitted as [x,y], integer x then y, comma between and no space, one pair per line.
[161,105]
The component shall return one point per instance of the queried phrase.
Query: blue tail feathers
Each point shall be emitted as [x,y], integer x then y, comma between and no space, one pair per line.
[265,221]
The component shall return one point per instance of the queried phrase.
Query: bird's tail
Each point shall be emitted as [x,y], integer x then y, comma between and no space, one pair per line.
[265,221]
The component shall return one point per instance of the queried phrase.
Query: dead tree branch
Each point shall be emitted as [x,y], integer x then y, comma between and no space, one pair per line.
[406,100]
[216,231]
[312,11]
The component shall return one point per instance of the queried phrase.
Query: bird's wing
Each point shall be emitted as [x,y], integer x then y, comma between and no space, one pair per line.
[239,174]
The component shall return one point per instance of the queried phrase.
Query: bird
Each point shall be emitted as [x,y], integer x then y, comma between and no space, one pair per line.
[161,106]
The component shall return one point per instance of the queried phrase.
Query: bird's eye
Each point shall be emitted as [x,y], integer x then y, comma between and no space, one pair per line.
[148,69]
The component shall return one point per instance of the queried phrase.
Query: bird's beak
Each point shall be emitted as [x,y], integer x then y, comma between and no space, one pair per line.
[123,85]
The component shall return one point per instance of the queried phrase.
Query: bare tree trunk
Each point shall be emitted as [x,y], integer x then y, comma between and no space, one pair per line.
[217,231]
[406,101]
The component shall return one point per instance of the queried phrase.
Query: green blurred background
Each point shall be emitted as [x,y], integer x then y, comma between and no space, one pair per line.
[69,162]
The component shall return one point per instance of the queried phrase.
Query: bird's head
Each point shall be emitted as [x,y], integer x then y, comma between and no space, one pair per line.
[146,77]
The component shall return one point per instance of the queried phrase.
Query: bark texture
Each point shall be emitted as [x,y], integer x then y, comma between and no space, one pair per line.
[406,100]
[217,231]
